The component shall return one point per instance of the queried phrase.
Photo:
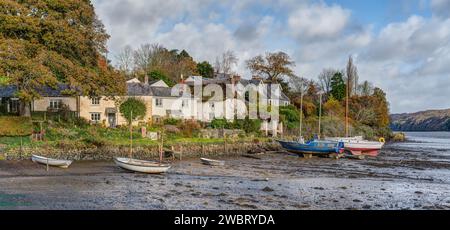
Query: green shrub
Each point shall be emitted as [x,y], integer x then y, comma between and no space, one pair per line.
[172,121]
[133,109]
[219,123]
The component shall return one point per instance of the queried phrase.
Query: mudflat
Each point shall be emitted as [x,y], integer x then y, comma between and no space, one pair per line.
[399,178]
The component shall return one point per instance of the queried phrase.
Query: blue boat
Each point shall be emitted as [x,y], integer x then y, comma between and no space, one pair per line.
[313,147]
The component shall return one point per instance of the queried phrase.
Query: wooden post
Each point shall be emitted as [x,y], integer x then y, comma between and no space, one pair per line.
[203,150]
[225,143]
[21,146]
[47,164]
[131,135]
[45,116]
[161,149]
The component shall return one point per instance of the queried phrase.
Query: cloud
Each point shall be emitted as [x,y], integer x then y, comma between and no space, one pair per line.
[318,21]
[441,7]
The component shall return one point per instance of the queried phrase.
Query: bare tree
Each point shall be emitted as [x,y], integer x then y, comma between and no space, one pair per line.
[226,62]
[352,77]
[273,66]
[142,57]
[125,60]
[365,89]
[298,84]
[325,79]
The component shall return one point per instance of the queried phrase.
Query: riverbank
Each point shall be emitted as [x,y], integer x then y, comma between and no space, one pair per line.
[398,179]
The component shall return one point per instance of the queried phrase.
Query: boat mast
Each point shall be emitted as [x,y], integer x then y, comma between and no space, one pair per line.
[320,112]
[301,107]
[346,106]
[131,134]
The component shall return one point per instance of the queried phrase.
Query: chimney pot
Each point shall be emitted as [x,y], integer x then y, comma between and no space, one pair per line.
[146,79]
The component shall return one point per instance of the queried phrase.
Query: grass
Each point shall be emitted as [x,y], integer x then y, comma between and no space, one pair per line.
[15,126]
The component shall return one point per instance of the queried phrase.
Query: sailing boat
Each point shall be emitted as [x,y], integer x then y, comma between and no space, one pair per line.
[357,145]
[312,147]
[141,166]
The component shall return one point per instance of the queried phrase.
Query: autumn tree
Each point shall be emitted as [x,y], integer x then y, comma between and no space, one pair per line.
[381,107]
[272,66]
[333,108]
[44,43]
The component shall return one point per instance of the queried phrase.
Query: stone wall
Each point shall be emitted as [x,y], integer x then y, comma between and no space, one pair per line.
[148,152]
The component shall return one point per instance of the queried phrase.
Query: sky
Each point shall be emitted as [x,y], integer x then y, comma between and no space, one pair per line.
[401,46]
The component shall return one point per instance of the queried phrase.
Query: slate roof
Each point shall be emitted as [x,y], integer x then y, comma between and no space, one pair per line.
[46,91]
[8,91]
[138,89]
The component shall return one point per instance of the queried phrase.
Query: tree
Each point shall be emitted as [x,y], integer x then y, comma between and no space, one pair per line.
[352,77]
[44,43]
[158,75]
[381,107]
[338,86]
[325,79]
[125,61]
[333,107]
[365,89]
[133,109]
[225,64]
[273,66]
[205,69]
[298,84]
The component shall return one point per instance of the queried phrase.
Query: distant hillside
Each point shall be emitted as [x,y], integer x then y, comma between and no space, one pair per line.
[431,120]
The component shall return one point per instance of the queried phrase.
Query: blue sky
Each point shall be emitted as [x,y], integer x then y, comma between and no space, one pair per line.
[402,46]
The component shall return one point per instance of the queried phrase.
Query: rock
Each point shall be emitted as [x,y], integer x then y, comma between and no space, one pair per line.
[267,189]
[418,192]
[357,201]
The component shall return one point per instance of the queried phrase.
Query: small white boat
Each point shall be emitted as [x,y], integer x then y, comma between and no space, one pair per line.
[212,162]
[141,165]
[50,161]
[359,146]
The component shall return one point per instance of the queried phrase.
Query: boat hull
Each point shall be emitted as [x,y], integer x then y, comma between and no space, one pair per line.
[141,166]
[357,146]
[312,147]
[51,162]
[211,162]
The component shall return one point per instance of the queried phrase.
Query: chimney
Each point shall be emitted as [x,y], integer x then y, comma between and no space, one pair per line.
[146,79]
[181,79]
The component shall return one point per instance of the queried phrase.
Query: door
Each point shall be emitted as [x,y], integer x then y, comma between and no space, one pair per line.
[112,120]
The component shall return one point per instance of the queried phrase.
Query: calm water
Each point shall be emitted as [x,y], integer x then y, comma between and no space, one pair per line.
[433,140]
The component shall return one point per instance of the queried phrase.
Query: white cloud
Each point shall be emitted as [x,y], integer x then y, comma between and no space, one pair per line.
[318,21]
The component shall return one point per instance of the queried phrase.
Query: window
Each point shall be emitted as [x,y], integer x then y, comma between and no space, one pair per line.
[159,102]
[95,101]
[211,104]
[95,117]
[184,103]
[55,104]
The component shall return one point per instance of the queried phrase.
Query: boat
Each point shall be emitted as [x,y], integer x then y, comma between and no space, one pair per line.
[360,147]
[316,147]
[212,162]
[142,166]
[51,161]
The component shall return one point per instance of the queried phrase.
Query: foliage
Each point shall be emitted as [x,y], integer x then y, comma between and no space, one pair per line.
[272,66]
[290,116]
[338,86]
[172,121]
[190,128]
[15,126]
[43,43]
[205,69]
[333,107]
[158,75]
[219,123]
[133,109]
